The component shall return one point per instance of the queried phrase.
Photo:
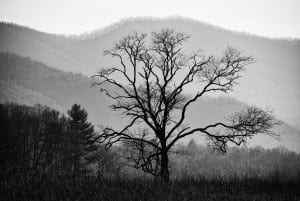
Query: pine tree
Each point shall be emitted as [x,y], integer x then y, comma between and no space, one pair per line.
[192,146]
[81,133]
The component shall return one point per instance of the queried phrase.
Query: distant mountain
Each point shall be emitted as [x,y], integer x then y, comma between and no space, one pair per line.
[53,50]
[64,89]
[273,81]
[26,81]
[11,92]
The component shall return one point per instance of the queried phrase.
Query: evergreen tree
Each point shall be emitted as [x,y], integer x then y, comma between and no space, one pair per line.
[81,134]
[192,146]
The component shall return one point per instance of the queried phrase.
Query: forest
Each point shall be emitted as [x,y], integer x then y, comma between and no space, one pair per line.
[47,155]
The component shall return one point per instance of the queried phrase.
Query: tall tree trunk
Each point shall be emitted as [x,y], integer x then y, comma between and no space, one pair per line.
[164,172]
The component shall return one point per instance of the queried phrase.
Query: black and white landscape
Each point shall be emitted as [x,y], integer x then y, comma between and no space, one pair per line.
[61,138]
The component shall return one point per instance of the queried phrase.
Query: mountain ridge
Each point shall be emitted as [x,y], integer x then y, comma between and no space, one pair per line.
[114,25]
[272,81]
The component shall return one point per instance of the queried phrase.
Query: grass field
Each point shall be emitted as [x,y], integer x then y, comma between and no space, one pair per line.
[120,189]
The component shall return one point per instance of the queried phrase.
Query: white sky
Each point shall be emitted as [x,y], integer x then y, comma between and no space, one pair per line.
[274,18]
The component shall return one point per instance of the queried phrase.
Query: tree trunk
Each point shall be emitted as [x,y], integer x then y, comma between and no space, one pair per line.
[164,172]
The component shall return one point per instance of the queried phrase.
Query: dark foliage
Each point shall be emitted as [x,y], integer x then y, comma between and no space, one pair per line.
[38,139]
[31,138]
[81,135]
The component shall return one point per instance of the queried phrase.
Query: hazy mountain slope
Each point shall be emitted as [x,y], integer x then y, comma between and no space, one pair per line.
[21,77]
[50,49]
[272,81]
[65,88]
[11,92]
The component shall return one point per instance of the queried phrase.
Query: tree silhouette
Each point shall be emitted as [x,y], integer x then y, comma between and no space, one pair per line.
[81,137]
[150,87]
[31,139]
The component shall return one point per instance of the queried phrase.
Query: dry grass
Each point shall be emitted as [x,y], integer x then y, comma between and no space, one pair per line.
[119,189]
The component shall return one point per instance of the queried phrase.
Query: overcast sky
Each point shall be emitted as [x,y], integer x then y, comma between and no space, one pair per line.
[273,18]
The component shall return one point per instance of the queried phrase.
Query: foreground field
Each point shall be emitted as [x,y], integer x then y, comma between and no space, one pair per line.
[92,188]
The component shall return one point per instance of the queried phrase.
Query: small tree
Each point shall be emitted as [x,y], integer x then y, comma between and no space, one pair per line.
[81,138]
[149,86]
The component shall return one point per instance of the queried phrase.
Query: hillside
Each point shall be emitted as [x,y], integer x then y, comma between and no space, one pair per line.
[273,81]
[26,81]
[53,50]
[63,88]
[11,92]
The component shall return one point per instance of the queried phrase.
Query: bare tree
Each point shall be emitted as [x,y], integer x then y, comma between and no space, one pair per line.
[149,86]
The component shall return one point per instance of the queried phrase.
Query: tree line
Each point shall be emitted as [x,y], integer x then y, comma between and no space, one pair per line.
[277,164]
[39,139]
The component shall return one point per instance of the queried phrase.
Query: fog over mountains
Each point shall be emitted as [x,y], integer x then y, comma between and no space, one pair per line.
[51,76]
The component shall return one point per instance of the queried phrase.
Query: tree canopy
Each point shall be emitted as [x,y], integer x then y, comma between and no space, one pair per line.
[150,86]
